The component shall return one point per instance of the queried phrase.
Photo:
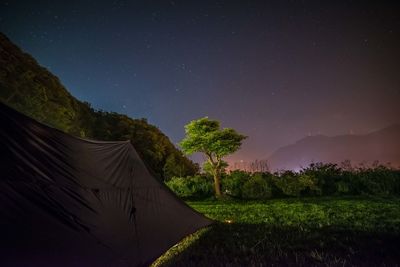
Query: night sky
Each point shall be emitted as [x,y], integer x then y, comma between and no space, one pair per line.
[276,72]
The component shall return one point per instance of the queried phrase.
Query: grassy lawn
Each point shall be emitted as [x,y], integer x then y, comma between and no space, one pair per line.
[285,232]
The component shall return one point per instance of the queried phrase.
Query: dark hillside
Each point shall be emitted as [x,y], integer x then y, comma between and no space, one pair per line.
[36,92]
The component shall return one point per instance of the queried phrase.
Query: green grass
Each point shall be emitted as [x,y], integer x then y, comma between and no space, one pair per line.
[286,232]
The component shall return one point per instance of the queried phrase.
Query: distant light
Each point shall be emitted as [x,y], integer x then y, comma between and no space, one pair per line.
[229,221]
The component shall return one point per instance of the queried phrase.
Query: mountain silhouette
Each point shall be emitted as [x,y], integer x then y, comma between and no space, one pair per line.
[382,145]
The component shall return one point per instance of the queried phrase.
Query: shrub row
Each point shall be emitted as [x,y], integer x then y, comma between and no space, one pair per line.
[197,186]
[316,180]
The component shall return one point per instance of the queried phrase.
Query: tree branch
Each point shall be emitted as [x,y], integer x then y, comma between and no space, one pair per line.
[210,158]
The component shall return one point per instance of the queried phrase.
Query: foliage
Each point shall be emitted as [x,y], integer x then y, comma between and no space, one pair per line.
[191,187]
[177,165]
[378,181]
[34,91]
[334,231]
[294,184]
[326,176]
[315,180]
[256,188]
[205,136]
[209,169]
[241,184]
[374,180]
[232,184]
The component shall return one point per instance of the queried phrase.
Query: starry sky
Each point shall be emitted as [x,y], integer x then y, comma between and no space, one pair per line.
[276,71]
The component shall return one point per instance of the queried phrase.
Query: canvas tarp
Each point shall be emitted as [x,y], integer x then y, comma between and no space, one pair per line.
[66,201]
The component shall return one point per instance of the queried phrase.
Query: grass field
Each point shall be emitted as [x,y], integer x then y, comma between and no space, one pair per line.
[287,232]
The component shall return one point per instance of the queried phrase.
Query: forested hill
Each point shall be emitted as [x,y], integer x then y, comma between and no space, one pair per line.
[33,90]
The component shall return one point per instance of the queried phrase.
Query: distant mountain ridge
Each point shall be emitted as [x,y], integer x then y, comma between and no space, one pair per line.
[382,145]
[33,90]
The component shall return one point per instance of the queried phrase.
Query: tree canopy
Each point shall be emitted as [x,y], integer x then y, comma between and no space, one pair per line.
[204,135]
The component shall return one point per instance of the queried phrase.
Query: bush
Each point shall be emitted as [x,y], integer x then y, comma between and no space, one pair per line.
[297,184]
[317,179]
[378,181]
[326,176]
[232,184]
[256,188]
[192,186]
[343,188]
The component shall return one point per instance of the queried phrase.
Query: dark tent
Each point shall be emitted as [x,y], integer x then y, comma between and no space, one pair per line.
[66,201]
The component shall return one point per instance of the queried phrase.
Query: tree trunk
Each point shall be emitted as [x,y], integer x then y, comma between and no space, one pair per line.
[217,184]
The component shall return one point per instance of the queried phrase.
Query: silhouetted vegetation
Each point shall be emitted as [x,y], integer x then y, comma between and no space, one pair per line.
[316,180]
[192,186]
[34,91]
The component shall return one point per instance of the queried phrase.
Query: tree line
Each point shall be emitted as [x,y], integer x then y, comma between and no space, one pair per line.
[318,179]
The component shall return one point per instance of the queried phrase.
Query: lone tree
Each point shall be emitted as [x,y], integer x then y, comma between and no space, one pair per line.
[206,136]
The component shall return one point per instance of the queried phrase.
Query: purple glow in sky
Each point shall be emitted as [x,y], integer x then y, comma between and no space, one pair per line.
[274,70]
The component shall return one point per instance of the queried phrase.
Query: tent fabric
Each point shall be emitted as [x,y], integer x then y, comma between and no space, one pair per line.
[66,201]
